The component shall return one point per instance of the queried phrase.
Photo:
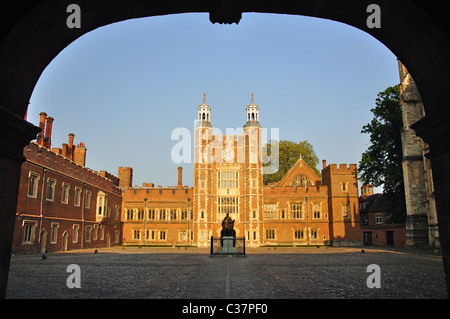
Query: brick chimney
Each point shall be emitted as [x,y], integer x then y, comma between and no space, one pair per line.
[40,136]
[79,154]
[180,176]
[70,147]
[324,164]
[48,133]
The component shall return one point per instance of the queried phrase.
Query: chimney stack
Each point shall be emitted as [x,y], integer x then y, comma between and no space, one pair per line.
[40,136]
[79,154]
[48,133]
[70,147]
[324,163]
[180,177]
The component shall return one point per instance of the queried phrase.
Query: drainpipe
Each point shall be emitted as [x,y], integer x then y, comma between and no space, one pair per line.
[41,212]
[307,221]
[82,214]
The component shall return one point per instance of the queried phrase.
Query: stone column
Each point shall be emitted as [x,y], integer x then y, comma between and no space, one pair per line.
[16,133]
[414,176]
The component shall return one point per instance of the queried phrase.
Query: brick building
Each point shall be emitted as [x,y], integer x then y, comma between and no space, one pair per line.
[62,204]
[377,230]
[301,209]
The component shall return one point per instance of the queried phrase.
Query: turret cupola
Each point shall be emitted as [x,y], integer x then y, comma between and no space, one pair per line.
[252,115]
[204,113]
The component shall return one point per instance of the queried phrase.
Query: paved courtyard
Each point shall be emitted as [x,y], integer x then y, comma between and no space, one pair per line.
[282,273]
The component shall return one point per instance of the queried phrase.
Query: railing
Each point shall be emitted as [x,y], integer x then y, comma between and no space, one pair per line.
[228,246]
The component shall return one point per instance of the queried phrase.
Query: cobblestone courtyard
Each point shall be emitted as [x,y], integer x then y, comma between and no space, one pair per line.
[282,273]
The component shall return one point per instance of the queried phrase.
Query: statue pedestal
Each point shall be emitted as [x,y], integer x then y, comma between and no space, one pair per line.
[227,245]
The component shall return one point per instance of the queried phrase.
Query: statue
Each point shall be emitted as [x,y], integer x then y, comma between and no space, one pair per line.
[227,227]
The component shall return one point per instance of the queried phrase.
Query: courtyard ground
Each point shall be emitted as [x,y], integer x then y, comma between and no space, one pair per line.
[265,273]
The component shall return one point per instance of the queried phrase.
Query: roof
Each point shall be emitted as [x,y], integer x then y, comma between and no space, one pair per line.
[373,203]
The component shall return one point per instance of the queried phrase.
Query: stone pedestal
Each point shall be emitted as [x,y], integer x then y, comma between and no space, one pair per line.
[227,245]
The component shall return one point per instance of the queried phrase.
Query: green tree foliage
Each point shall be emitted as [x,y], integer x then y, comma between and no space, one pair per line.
[381,163]
[289,153]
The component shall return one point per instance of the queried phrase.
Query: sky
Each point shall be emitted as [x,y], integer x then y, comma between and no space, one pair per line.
[122,89]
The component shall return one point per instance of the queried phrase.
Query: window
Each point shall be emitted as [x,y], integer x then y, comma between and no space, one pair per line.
[183,236]
[87,199]
[296,210]
[28,231]
[76,229]
[162,214]
[270,211]
[33,181]
[173,214]
[184,214]
[227,179]
[151,214]
[316,210]
[227,204]
[87,235]
[129,214]
[54,233]
[162,235]
[102,232]
[117,212]
[379,218]
[202,214]
[65,193]
[136,234]
[95,232]
[313,234]
[345,210]
[298,234]
[270,233]
[117,236]
[77,198]
[51,184]
[140,214]
[344,186]
[102,204]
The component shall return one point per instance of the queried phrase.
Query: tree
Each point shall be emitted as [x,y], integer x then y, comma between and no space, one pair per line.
[289,153]
[381,163]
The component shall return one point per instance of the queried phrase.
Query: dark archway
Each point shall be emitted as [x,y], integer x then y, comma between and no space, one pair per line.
[33,32]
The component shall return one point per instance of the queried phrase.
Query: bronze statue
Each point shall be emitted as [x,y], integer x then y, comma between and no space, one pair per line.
[227,227]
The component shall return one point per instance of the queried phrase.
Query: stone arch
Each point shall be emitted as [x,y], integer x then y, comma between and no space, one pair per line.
[34,32]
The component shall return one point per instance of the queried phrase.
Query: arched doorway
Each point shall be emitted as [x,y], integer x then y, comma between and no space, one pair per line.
[33,34]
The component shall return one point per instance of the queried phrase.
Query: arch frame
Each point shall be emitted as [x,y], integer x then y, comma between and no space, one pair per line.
[33,32]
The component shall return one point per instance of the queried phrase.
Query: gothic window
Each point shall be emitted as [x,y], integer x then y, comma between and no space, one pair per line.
[345,210]
[270,233]
[28,231]
[228,204]
[296,210]
[316,210]
[298,234]
[51,183]
[301,180]
[270,211]
[65,193]
[33,180]
[227,179]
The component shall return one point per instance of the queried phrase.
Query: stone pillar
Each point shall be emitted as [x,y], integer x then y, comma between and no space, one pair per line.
[16,134]
[414,173]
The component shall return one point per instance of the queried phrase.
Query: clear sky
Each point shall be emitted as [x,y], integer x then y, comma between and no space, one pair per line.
[123,88]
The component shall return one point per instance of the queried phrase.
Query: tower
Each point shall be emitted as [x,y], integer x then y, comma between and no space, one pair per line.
[202,197]
[252,188]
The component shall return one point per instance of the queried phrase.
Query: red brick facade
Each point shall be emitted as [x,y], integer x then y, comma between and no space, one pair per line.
[63,205]
[302,209]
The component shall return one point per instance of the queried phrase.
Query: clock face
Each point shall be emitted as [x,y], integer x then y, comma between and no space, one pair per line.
[228,154]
